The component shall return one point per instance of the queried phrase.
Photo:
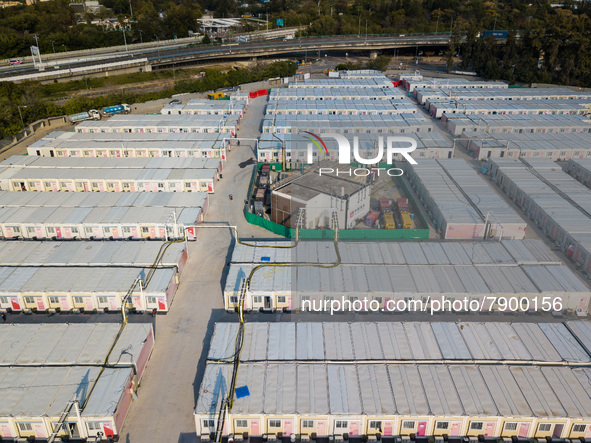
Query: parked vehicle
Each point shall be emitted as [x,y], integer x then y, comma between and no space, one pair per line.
[215,95]
[370,219]
[407,222]
[265,170]
[175,101]
[117,109]
[93,114]
[402,204]
[259,209]
[385,205]
[389,221]
[15,61]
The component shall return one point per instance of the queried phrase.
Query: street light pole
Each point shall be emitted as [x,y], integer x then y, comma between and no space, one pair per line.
[124,38]
[53,47]
[141,39]
[20,113]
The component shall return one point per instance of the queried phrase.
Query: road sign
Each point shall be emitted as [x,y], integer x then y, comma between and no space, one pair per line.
[279,22]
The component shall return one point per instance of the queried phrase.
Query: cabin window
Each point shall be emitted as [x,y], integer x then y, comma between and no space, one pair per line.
[151,300]
[25,427]
[307,424]
[342,424]
[408,424]
[375,424]
[78,300]
[442,425]
[54,300]
[274,423]
[544,427]
[208,423]
[29,300]
[579,428]
[241,423]
[233,299]
[102,300]
[280,299]
[512,426]
[476,425]
[95,426]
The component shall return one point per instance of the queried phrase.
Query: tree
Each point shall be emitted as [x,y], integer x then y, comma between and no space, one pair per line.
[379,63]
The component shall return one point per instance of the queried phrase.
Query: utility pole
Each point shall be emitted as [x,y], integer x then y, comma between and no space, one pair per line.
[130,9]
[366,31]
[437,25]
[53,47]
[38,52]
[495,25]
[359,30]
[124,38]
[141,39]
[267,22]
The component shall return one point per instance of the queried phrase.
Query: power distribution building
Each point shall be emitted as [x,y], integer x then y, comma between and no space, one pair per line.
[47,370]
[373,380]
[320,196]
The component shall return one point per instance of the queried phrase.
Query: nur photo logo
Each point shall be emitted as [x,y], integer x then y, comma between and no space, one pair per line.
[391,149]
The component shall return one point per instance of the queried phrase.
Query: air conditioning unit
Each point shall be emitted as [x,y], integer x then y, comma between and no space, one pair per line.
[305,438]
[372,438]
[238,437]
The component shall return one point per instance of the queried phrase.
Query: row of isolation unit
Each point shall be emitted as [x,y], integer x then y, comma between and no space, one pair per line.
[299,390]
[520,124]
[556,147]
[347,124]
[109,215]
[207,107]
[340,107]
[46,366]
[460,202]
[147,124]
[488,94]
[581,170]
[122,145]
[422,274]
[556,202]
[107,180]
[85,289]
[442,107]
[412,84]
[381,82]
[327,94]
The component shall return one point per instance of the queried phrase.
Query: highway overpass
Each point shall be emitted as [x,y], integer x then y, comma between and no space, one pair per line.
[146,59]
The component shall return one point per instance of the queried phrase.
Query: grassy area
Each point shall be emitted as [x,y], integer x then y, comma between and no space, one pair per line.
[52,90]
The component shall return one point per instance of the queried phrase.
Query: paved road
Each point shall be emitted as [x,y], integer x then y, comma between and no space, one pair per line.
[164,411]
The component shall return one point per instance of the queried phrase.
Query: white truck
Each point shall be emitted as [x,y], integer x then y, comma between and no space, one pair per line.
[93,114]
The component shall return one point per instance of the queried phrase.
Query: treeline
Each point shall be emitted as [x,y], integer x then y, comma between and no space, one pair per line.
[54,23]
[556,50]
[26,97]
